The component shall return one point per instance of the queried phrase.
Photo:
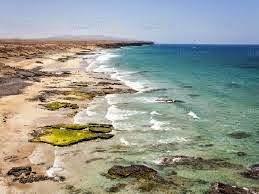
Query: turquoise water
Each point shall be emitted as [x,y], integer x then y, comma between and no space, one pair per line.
[219,87]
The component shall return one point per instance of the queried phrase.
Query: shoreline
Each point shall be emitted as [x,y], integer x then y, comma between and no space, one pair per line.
[60,94]
[23,112]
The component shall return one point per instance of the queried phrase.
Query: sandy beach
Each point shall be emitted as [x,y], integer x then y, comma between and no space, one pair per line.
[30,81]
[63,123]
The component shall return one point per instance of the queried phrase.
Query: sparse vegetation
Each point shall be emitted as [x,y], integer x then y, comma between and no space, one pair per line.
[52,106]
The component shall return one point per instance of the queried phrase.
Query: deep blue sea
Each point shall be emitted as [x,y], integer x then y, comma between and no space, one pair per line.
[216,88]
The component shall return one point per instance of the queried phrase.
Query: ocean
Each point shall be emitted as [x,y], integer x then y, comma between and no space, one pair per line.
[191,100]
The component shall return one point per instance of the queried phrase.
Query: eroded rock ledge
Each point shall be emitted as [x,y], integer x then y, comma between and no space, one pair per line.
[221,188]
[24,175]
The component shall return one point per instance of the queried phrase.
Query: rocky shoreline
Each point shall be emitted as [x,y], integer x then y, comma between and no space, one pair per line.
[42,89]
[36,86]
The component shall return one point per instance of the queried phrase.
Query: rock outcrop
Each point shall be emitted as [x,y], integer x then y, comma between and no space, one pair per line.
[252,172]
[196,162]
[221,188]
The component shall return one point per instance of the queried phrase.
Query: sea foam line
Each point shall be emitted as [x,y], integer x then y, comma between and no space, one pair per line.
[193,115]
[157,125]
[100,59]
[116,114]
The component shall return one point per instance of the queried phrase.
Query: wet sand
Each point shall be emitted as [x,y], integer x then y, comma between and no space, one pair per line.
[28,82]
[32,77]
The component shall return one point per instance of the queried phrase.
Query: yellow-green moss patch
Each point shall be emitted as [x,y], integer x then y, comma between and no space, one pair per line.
[64,137]
[58,105]
[80,95]
[68,134]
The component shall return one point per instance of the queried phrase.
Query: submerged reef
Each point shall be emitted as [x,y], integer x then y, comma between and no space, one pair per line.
[239,135]
[221,188]
[25,174]
[197,163]
[145,179]
[252,172]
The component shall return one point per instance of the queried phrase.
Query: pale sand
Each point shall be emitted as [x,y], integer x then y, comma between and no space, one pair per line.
[19,117]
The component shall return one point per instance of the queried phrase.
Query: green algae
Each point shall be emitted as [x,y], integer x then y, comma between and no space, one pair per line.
[70,98]
[52,106]
[80,95]
[68,134]
[64,137]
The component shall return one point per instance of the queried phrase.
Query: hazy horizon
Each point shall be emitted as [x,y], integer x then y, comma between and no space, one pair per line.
[166,21]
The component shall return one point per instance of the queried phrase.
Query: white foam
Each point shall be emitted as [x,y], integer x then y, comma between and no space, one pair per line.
[111,99]
[172,140]
[123,141]
[38,156]
[116,114]
[155,113]
[105,69]
[136,85]
[161,160]
[147,99]
[90,113]
[193,115]
[157,125]
[181,139]
[123,76]
[56,167]
[100,59]
[80,117]
[100,65]
[106,57]
[95,112]
[91,61]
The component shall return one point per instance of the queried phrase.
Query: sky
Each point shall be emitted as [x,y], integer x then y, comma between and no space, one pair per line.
[162,21]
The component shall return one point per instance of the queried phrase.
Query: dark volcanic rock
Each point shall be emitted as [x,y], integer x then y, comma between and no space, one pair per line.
[116,188]
[32,178]
[123,44]
[206,145]
[105,136]
[39,62]
[100,128]
[18,171]
[187,86]
[104,83]
[197,163]
[193,95]
[155,90]
[168,101]
[221,188]
[252,172]
[73,190]
[13,80]
[135,171]
[241,154]
[25,175]
[239,135]
[132,171]
[146,179]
